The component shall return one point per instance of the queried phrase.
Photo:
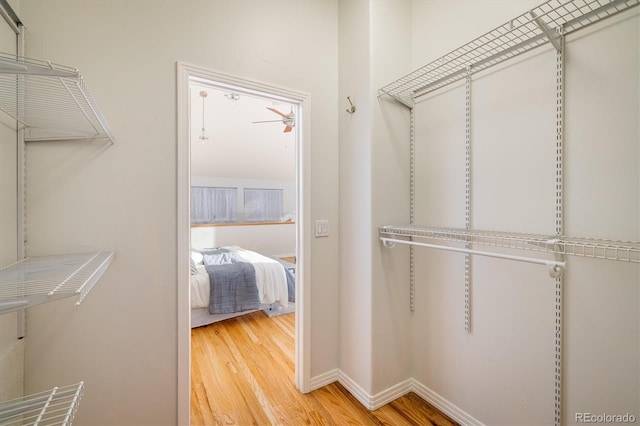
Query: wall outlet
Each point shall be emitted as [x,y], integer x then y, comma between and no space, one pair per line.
[322,228]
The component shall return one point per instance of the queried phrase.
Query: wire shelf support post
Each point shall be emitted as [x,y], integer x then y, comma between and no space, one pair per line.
[412,208]
[467,203]
[559,222]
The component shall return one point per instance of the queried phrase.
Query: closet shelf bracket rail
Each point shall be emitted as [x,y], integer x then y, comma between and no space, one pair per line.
[57,406]
[37,280]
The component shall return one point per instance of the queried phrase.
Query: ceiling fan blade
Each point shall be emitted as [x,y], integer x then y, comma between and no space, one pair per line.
[277,112]
[287,129]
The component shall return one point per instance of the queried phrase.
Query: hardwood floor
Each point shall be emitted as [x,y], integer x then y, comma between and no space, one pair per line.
[242,374]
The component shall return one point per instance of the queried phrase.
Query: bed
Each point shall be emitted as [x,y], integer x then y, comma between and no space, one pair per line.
[230,281]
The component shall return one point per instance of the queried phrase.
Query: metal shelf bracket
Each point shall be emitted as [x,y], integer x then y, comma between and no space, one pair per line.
[552,35]
[388,243]
[556,271]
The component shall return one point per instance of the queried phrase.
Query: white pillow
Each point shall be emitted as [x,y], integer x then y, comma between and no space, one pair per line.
[197,257]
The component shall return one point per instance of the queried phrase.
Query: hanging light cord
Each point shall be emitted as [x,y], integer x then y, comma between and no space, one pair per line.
[203,136]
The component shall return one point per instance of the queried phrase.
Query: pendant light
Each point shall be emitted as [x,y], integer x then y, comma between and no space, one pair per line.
[203,136]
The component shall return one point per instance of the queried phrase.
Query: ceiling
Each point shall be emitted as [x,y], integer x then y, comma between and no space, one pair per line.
[236,147]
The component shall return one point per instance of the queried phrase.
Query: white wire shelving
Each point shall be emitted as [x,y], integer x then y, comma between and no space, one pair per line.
[546,24]
[57,406]
[530,30]
[50,101]
[624,251]
[38,280]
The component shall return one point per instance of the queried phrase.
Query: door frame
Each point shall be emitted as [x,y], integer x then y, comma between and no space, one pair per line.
[185,72]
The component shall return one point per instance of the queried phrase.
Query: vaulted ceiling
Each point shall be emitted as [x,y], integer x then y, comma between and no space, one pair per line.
[236,147]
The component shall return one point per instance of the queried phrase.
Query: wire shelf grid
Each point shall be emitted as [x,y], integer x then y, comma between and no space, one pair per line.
[625,251]
[50,101]
[523,33]
[57,406]
[37,280]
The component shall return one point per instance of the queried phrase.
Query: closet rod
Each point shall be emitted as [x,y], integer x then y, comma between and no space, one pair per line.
[556,268]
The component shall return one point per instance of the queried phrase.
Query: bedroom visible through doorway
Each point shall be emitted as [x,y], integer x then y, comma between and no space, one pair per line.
[241,145]
[243,202]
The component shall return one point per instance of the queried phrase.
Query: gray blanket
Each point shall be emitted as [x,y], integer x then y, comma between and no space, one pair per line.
[290,272]
[232,281]
[233,288]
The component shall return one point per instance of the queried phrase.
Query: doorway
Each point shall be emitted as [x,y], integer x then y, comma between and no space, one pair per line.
[281,99]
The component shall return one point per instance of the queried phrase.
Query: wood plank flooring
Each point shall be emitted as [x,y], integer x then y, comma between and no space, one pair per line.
[242,374]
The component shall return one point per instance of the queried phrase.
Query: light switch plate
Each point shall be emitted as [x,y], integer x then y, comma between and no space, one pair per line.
[322,228]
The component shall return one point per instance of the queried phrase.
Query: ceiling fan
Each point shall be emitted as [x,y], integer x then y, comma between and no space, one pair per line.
[289,120]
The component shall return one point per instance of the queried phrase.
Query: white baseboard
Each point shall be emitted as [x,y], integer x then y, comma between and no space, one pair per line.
[392,393]
[373,402]
[443,405]
[324,379]
[355,390]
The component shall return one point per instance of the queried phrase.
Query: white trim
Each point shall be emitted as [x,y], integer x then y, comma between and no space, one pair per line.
[392,393]
[443,405]
[183,153]
[185,72]
[303,251]
[373,402]
[354,389]
[324,379]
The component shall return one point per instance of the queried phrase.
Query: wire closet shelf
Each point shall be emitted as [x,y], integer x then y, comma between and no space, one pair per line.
[50,101]
[624,251]
[38,280]
[532,29]
[57,406]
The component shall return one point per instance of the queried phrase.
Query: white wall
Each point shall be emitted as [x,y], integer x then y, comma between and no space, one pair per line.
[502,371]
[122,339]
[603,192]
[278,240]
[355,195]
[390,58]
[375,337]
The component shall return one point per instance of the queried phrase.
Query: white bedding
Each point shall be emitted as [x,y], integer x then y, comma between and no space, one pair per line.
[200,288]
[271,280]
